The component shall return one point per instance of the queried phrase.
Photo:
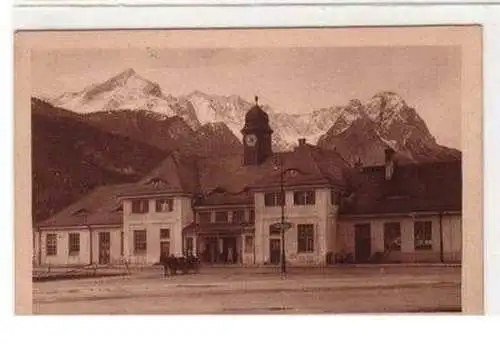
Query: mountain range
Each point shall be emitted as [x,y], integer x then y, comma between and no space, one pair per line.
[103,123]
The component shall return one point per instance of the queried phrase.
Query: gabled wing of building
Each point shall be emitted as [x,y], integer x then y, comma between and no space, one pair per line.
[101,206]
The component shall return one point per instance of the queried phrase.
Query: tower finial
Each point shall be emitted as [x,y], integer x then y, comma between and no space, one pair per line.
[256,100]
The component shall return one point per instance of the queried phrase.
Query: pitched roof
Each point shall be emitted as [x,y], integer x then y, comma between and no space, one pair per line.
[307,165]
[101,206]
[433,186]
[230,174]
[175,174]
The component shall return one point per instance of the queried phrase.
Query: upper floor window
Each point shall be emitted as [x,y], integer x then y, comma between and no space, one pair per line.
[305,238]
[422,232]
[304,197]
[164,205]
[204,217]
[51,244]
[221,216]
[74,243]
[238,216]
[140,206]
[274,199]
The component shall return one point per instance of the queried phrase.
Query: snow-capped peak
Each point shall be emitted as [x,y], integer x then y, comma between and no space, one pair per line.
[127,90]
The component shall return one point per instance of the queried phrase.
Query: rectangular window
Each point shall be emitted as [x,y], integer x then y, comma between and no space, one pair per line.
[274,199]
[140,206]
[392,236]
[74,243]
[164,205]
[221,216]
[248,244]
[164,233]
[51,244]
[205,217]
[304,197]
[422,231]
[140,241]
[305,238]
[238,216]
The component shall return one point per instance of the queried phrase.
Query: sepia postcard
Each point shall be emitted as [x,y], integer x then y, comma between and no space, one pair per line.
[249,171]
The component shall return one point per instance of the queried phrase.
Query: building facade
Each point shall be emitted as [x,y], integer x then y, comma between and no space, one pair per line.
[228,210]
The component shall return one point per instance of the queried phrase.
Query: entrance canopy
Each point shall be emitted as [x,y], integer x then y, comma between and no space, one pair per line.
[218,229]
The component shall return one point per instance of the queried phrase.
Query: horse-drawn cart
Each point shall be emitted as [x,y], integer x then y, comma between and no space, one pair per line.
[172,265]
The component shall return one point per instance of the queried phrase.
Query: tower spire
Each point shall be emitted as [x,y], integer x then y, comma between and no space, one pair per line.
[256,100]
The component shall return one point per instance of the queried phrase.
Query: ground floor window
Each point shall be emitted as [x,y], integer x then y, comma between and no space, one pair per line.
[392,236]
[305,238]
[74,243]
[423,235]
[164,233]
[248,244]
[51,244]
[140,241]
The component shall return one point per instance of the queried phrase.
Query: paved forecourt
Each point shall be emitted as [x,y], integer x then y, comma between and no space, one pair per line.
[238,290]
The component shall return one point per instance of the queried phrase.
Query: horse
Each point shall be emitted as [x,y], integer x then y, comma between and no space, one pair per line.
[172,264]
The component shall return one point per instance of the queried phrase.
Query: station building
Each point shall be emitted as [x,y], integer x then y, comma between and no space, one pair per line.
[228,210]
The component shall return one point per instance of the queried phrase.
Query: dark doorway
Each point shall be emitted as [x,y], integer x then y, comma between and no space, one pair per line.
[104,247]
[229,253]
[164,248]
[275,251]
[362,238]
[210,249]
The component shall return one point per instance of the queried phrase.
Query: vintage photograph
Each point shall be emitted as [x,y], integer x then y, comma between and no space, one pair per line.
[322,173]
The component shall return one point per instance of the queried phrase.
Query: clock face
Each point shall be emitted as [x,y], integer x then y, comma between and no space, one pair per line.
[251,140]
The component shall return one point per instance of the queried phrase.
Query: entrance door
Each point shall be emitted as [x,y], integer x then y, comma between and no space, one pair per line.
[275,251]
[104,247]
[210,250]
[362,238]
[164,248]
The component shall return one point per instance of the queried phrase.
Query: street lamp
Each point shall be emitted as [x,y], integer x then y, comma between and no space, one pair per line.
[283,225]
[282,203]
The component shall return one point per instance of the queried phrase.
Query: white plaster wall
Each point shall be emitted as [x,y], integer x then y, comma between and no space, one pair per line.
[152,222]
[452,237]
[63,257]
[316,214]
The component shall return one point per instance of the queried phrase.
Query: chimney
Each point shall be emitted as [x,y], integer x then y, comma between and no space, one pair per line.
[389,163]
[302,142]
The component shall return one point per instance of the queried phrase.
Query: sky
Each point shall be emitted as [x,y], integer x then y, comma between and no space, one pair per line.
[291,80]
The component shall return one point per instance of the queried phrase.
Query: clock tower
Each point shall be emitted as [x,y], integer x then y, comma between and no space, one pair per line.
[256,136]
